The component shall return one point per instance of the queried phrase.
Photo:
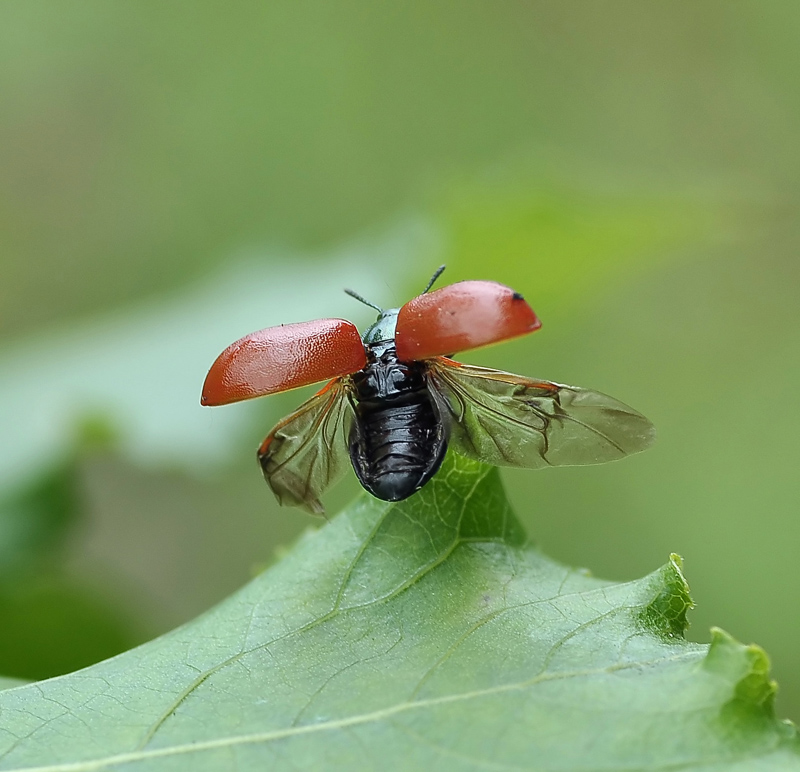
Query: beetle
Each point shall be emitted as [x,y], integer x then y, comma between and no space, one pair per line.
[395,399]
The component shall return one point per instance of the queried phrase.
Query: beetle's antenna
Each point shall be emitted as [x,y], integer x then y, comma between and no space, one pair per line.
[362,300]
[435,276]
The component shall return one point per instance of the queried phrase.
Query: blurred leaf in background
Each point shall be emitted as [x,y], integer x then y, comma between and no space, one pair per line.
[36,517]
[175,176]
[53,623]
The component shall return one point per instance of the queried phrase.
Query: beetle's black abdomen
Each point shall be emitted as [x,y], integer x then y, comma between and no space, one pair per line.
[398,441]
[396,449]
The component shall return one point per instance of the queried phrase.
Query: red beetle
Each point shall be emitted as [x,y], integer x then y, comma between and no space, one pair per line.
[395,400]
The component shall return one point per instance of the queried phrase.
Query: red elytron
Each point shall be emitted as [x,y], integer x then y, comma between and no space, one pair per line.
[282,358]
[460,317]
[395,400]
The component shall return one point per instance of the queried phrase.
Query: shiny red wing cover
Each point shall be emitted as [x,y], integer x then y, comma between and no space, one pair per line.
[459,317]
[284,357]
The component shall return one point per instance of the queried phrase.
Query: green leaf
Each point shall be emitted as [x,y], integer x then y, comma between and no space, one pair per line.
[37,514]
[53,624]
[426,634]
[40,603]
[35,518]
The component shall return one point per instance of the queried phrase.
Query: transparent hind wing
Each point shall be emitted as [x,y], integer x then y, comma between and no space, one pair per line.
[307,451]
[508,420]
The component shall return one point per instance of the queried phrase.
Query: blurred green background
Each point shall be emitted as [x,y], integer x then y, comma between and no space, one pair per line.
[175,175]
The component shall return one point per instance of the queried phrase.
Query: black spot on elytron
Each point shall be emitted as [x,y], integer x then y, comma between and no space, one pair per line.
[517,296]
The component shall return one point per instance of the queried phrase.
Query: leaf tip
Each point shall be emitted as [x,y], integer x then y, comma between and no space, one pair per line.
[747,667]
[665,614]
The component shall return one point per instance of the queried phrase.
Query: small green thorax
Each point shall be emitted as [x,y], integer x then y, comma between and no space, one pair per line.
[386,325]
[383,329]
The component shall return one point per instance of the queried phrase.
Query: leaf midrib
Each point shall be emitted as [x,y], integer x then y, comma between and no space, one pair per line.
[365,718]
[336,609]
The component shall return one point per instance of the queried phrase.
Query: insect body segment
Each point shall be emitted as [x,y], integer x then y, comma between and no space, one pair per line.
[398,440]
[394,403]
